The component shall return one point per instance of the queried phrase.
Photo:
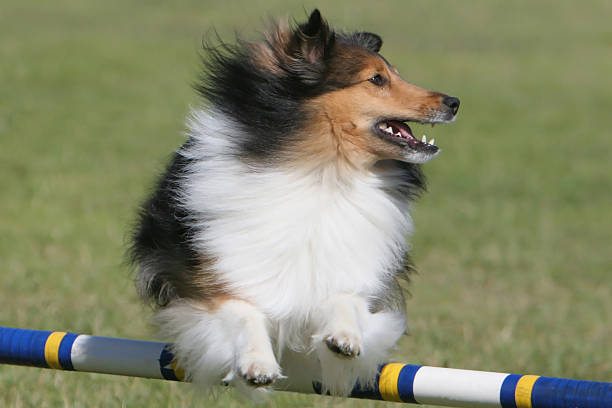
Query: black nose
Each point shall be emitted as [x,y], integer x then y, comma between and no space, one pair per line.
[452,103]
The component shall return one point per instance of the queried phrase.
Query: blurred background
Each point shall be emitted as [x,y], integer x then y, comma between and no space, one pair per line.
[513,240]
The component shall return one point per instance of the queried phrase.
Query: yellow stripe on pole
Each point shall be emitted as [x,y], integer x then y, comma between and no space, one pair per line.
[178,371]
[387,382]
[52,349]
[524,387]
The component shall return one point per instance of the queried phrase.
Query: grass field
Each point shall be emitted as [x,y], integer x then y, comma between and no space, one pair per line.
[513,240]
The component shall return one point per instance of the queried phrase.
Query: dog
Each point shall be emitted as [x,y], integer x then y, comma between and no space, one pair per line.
[273,249]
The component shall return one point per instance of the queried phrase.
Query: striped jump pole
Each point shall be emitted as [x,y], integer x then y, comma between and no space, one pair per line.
[396,382]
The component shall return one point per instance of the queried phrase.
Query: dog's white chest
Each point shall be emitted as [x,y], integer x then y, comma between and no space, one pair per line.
[287,242]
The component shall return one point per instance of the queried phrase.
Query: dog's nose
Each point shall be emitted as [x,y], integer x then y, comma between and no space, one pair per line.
[452,103]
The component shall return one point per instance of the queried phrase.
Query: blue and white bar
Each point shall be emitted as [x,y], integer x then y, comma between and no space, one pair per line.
[93,354]
[467,388]
[396,382]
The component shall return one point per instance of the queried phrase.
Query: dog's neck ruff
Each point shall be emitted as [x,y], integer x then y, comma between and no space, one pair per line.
[288,239]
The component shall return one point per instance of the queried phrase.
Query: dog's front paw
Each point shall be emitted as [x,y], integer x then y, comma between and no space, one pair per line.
[260,373]
[343,344]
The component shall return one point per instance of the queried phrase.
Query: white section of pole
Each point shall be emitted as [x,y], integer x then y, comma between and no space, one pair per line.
[457,388]
[107,355]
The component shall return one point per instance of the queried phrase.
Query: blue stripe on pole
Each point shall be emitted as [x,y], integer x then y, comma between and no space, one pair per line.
[360,391]
[405,382]
[563,393]
[65,351]
[508,388]
[165,364]
[23,347]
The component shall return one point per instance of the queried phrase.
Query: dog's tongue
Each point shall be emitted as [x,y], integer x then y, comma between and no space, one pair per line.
[403,128]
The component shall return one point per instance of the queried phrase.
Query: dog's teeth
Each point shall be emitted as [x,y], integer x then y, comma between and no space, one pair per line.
[431,142]
[398,134]
[389,130]
[424,139]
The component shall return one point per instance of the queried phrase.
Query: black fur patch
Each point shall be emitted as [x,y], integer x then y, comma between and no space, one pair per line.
[416,183]
[161,240]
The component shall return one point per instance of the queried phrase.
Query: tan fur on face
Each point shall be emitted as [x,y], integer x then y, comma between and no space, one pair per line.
[343,120]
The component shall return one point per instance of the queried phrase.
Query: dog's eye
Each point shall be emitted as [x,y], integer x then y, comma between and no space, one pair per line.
[377,80]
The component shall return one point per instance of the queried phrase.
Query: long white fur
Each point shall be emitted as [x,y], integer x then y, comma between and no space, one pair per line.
[295,244]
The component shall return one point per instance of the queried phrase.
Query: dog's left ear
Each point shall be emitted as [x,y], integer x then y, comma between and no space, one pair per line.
[370,41]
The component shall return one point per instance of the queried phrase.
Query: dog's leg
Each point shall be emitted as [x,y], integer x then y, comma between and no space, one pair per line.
[340,331]
[256,362]
[217,344]
[351,342]
[338,341]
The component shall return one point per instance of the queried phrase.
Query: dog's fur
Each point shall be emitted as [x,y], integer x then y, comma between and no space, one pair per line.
[277,236]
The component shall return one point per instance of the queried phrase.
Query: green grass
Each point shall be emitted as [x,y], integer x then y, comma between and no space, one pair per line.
[513,238]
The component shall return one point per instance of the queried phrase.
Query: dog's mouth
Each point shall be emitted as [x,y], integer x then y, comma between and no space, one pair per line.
[398,132]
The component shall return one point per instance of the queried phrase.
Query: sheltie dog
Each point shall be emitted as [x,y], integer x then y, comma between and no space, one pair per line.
[274,247]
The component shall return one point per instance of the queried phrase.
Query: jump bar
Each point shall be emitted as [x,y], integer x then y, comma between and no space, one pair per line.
[396,382]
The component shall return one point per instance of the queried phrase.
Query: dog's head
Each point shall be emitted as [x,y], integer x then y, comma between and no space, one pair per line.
[308,89]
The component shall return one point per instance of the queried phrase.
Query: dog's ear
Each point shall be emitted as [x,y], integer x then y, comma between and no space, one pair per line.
[314,38]
[308,48]
[370,41]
